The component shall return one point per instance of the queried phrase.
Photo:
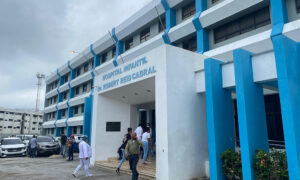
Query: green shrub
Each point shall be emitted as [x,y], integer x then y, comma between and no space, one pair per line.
[279,164]
[262,164]
[270,165]
[232,164]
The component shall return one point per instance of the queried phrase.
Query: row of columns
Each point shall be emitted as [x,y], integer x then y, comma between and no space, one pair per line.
[250,102]
[251,109]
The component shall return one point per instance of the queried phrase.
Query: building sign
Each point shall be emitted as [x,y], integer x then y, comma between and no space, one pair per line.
[126,73]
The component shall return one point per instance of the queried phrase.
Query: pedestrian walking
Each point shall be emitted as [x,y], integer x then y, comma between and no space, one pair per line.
[71,144]
[63,141]
[32,145]
[132,151]
[146,139]
[139,134]
[127,137]
[85,153]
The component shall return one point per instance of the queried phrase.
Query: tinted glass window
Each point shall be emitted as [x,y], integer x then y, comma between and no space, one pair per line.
[298,6]
[161,25]
[129,44]
[145,35]
[188,11]
[242,25]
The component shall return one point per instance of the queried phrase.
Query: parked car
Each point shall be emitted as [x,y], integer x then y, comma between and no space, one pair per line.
[46,145]
[12,146]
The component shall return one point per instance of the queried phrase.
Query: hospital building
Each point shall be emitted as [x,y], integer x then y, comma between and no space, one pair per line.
[208,75]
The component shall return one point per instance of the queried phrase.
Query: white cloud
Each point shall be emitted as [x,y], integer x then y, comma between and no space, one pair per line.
[37,36]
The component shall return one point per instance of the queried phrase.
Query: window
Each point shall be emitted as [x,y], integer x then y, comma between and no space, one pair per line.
[86,67]
[76,90]
[55,99]
[128,44]
[33,128]
[82,108]
[190,44]
[63,112]
[53,115]
[114,51]
[145,35]
[52,130]
[78,71]
[188,10]
[9,127]
[74,130]
[92,63]
[11,120]
[66,78]
[1,127]
[91,84]
[298,6]
[242,25]
[104,57]
[81,129]
[1,119]
[18,127]
[64,95]
[214,1]
[84,87]
[76,110]
[34,122]
[161,25]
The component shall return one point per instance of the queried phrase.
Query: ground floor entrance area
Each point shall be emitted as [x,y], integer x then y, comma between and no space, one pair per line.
[157,88]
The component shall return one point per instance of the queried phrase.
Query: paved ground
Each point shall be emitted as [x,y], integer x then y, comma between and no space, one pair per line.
[44,168]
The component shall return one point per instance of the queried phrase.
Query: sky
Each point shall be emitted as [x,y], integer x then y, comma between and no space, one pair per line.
[39,35]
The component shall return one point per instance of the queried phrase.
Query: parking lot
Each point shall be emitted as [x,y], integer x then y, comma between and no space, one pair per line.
[53,168]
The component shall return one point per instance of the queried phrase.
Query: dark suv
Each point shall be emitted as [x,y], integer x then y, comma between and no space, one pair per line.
[46,145]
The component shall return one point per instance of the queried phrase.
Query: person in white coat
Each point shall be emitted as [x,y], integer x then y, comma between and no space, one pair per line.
[85,153]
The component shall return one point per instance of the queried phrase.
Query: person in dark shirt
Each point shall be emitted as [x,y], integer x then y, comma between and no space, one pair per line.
[127,137]
[63,140]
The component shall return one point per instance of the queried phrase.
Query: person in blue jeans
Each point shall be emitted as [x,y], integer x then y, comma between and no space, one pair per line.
[132,151]
[146,139]
[63,140]
[127,137]
[71,144]
[32,145]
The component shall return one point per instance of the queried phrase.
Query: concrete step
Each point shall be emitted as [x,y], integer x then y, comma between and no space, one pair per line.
[146,171]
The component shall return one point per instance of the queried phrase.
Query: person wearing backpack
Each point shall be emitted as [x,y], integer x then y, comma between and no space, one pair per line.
[126,138]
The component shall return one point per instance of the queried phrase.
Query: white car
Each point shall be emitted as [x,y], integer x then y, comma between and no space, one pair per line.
[12,146]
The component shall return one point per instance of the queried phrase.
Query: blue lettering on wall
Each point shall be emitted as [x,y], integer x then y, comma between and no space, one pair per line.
[125,79]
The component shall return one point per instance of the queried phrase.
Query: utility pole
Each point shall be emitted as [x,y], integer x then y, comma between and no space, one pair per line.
[40,77]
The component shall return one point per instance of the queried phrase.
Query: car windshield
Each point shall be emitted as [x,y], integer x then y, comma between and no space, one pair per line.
[11,141]
[28,137]
[44,139]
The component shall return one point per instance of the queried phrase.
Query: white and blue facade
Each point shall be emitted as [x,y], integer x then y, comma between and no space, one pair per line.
[221,73]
